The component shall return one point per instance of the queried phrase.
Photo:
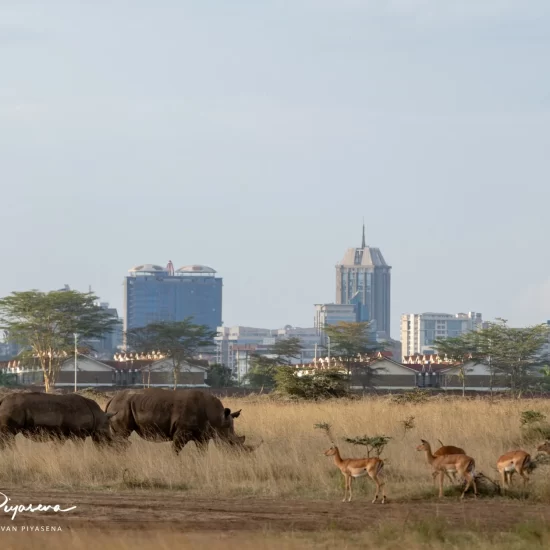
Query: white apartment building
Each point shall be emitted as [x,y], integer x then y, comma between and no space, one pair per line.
[419,330]
[235,345]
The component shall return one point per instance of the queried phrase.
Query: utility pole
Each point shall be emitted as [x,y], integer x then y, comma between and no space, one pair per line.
[75,358]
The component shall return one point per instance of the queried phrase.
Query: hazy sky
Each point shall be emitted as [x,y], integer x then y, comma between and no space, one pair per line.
[254,136]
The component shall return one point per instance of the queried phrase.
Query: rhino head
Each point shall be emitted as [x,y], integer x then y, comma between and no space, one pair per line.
[103,434]
[227,430]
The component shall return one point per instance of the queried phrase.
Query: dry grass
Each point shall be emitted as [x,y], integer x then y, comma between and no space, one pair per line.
[290,463]
[414,537]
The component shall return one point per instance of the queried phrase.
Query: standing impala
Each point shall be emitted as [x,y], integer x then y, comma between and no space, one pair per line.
[358,467]
[448,450]
[445,464]
[510,463]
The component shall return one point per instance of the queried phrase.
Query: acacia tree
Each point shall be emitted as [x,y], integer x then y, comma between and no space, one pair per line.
[44,323]
[263,368]
[511,354]
[180,341]
[348,341]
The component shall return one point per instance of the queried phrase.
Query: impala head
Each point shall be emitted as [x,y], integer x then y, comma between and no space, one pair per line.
[331,452]
[544,448]
[424,446]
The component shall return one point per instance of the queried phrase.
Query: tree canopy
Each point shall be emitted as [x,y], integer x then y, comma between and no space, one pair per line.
[44,323]
[348,341]
[263,367]
[180,341]
[511,354]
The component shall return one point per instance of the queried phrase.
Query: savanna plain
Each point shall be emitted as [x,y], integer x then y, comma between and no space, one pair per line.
[287,494]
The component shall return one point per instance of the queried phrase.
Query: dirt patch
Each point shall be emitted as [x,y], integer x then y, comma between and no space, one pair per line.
[178,511]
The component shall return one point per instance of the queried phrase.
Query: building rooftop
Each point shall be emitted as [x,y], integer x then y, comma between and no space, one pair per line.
[148,268]
[195,269]
[363,257]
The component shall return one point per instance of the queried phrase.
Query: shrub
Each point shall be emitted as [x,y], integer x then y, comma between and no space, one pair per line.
[374,444]
[324,384]
[415,397]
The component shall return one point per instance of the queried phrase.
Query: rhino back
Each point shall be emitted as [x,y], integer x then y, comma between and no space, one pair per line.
[169,411]
[30,410]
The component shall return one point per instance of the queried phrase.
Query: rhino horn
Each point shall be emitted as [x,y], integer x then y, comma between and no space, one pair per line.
[110,415]
[236,414]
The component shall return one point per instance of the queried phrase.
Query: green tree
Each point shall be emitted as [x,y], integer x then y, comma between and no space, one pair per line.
[264,367]
[179,341]
[219,376]
[512,354]
[348,341]
[45,323]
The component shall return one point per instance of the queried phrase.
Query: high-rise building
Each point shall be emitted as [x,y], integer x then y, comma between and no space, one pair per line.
[363,278]
[420,330]
[330,314]
[236,345]
[153,293]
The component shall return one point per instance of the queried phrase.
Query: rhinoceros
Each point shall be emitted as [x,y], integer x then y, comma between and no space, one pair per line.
[41,416]
[179,416]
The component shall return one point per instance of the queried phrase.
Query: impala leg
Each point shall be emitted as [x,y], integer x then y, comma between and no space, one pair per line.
[503,479]
[441,476]
[350,480]
[345,487]
[471,481]
[375,479]
[525,478]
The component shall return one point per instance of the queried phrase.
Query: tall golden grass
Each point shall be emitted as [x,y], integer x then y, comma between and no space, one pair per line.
[290,463]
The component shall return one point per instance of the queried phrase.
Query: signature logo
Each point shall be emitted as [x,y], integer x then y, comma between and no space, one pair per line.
[16,509]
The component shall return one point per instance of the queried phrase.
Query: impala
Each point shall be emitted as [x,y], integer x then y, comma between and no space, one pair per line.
[358,467]
[510,463]
[448,450]
[445,464]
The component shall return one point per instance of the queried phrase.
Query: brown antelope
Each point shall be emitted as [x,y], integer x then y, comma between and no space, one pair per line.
[358,467]
[510,463]
[458,463]
[448,450]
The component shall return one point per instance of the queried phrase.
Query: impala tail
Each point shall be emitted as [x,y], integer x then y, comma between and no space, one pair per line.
[471,469]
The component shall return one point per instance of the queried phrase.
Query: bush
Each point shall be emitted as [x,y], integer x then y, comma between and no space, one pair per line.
[324,384]
[530,417]
[415,397]
[534,427]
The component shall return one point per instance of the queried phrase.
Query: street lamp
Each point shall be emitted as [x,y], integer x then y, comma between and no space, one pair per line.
[328,347]
[75,358]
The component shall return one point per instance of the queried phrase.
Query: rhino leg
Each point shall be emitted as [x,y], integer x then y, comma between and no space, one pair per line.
[179,440]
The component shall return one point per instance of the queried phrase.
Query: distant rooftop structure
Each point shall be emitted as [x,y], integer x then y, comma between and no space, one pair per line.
[148,268]
[195,269]
[198,269]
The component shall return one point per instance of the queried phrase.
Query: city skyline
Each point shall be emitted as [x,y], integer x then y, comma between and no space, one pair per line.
[260,156]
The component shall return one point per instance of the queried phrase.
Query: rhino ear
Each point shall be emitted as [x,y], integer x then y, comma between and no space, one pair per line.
[226,412]
[236,414]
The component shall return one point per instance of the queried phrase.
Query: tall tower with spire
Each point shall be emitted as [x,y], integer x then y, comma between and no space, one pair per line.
[364,278]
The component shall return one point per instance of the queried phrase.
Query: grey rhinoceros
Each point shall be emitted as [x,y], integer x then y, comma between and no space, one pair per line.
[179,416]
[40,416]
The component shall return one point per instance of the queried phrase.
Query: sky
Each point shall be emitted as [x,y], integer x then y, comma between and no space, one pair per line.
[253,137]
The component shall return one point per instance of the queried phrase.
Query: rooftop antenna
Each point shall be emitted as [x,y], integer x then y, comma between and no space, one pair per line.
[363,243]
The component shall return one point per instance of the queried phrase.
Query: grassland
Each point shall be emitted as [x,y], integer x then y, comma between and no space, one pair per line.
[287,494]
[290,463]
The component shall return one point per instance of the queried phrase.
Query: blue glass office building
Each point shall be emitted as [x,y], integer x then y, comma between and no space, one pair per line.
[153,293]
